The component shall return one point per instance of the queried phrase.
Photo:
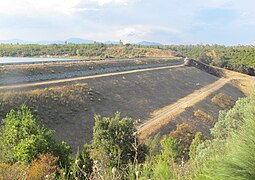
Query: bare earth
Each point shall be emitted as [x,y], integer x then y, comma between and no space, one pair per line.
[156,95]
[27,85]
[163,116]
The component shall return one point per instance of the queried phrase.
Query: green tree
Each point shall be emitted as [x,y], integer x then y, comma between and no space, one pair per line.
[237,159]
[115,143]
[193,147]
[22,139]
[164,167]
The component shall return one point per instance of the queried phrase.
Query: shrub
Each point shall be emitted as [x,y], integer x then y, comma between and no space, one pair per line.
[237,161]
[193,147]
[45,167]
[183,134]
[22,139]
[223,100]
[203,116]
[115,144]
[82,165]
[16,171]
[164,167]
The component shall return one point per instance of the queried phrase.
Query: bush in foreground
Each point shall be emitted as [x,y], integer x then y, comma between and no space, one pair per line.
[22,139]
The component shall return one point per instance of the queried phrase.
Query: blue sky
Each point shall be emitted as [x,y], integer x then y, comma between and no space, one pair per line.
[228,22]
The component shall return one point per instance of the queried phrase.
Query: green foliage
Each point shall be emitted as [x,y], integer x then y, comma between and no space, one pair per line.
[154,147]
[228,122]
[193,147]
[22,139]
[230,154]
[184,135]
[96,50]
[238,58]
[231,120]
[170,148]
[82,165]
[237,161]
[164,167]
[115,143]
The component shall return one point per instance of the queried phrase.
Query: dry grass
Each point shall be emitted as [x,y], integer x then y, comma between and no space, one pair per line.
[203,116]
[223,100]
[45,167]
[64,109]
[243,81]
[58,67]
[184,134]
[245,85]
[51,105]
[168,113]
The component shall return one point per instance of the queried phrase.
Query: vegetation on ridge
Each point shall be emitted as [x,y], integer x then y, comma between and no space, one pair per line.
[237,58]
[96,50]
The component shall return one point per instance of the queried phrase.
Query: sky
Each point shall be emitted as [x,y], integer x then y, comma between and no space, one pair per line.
[227,22]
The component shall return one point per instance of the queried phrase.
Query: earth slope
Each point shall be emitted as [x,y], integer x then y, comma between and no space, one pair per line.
[69,108]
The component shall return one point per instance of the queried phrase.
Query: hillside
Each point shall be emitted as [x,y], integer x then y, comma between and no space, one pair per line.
[21,73]
[69,108]
[237,58]
[96,50]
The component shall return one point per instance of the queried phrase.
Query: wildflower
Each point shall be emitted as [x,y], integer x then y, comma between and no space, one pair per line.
[77,162]
[114,170]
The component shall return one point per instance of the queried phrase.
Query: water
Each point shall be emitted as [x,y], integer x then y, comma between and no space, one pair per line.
[24,60]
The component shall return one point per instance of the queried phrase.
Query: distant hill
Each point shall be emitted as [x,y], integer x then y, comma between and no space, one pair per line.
[73,41]
[147,43]
[16,41]
[79,41]
[70,40]
[111,42]
[49,42]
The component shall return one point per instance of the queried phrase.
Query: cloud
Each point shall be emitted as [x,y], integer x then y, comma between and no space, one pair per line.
[13,7]
[141,30]
[134,33]
[216,3]
[103,2]
[168,21]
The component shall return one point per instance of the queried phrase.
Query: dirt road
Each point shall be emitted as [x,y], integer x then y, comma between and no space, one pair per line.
[41,83]
[164,115]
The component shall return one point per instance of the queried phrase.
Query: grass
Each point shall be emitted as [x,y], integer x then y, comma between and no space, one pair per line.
[223,100]
[203,116]
[52,105]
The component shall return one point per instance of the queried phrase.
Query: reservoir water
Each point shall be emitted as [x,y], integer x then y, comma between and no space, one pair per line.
[25,60]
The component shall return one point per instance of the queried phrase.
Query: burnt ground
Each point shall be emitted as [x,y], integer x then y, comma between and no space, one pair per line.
[205,105]
[22,73]
[70,111]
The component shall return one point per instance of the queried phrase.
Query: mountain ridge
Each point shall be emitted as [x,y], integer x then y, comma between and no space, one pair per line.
[73,41]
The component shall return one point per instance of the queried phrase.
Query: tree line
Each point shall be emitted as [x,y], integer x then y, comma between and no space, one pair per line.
[96,50]
[237,58]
